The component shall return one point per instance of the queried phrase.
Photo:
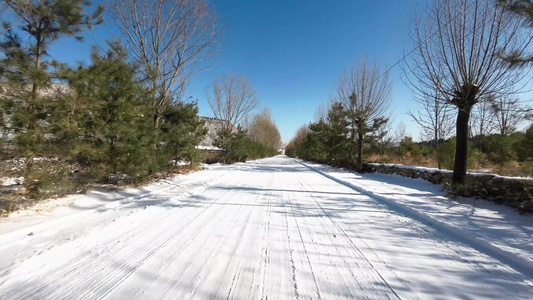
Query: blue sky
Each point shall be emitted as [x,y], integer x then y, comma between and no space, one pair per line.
[293,52]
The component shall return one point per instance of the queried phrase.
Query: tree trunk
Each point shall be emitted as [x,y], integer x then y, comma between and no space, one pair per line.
[157,121]
[352,144]
[437,144]
[37,65]
[359,151]
[461,147]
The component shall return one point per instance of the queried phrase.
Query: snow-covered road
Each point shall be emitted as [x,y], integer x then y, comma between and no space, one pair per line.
[269,229]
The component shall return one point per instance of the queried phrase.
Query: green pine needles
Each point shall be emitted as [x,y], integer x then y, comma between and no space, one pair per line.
[64,128]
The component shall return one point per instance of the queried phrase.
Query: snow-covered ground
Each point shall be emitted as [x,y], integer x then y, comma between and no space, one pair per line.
[276,228]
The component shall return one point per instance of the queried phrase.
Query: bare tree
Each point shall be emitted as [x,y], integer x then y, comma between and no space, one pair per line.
[299,137]
[365,93]
[264,131]
[231,98]
[482,119]
[322,110]
[434,118]
[400,133]
[458,49]
[300,134]
[171,39]
[508,114]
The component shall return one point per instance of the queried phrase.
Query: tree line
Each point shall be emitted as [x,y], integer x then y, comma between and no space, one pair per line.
[469,57]
[232,99]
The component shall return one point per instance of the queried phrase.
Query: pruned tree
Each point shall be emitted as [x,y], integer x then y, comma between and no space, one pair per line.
[364,91]
[171,39]
[434,118]
[458,45]
[231,98]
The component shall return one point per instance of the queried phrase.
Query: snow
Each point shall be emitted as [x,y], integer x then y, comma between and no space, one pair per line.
[476,222]
[276,228]
[400,166]
[181,163]
[210,148]
[8,181]
[444,171]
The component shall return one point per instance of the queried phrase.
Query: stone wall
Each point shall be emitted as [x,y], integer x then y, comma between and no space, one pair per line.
[510,191]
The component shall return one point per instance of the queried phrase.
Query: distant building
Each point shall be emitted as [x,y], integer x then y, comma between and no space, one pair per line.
[213,126]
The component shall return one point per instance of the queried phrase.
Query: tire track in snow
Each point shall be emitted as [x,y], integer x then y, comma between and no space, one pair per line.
[124,241]
[360,253]
[345,252]
[259,235]
[305,251]
[275,276]
[248,248]
[191,253]
[510,259]
[197,272]
[60,223]
[158,248]
[173,236]
[265,251]
[233,250]
[207,265]
[254,246]
[182,247]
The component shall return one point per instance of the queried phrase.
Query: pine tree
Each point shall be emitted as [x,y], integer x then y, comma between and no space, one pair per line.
[522,9]
[13,74]
[47,21]
[27,116]
[224,141]
[29,100]
[315,146]
[338,142]
[182,130]
[106,122]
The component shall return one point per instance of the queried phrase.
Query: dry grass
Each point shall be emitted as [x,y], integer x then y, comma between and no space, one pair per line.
[512,168]
[429,162]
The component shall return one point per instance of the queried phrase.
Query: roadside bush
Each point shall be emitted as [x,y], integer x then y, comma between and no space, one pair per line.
[106,122]
[48,178]
[239,147]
